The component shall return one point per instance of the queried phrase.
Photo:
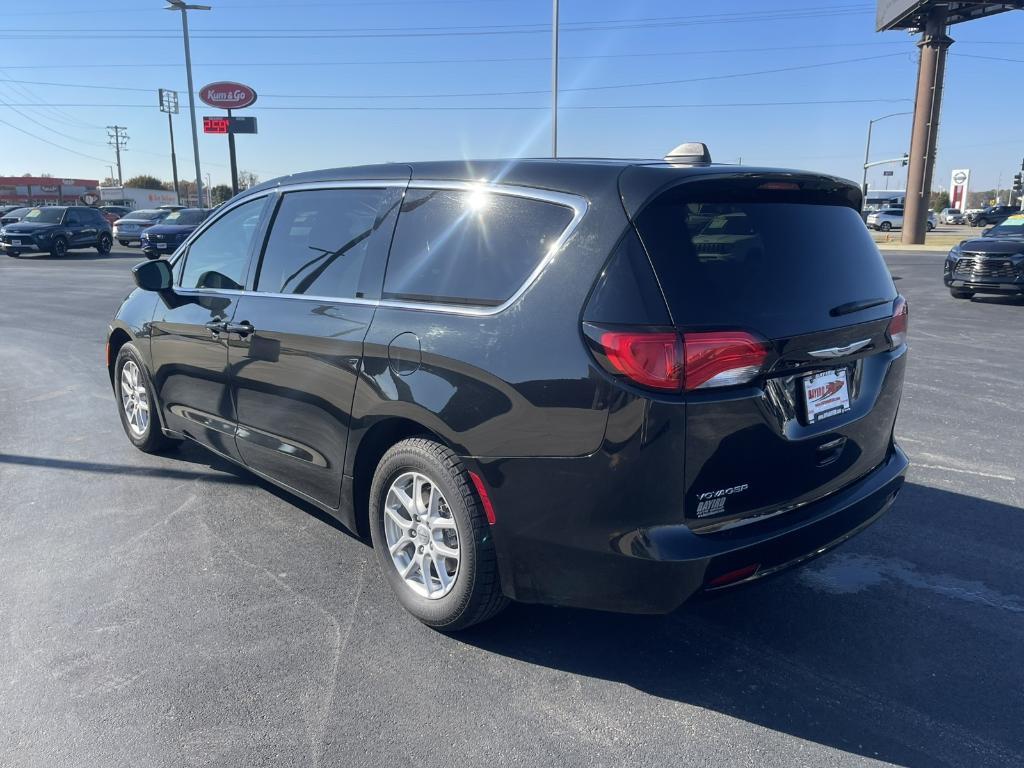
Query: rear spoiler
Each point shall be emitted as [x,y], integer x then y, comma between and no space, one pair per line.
[639,184]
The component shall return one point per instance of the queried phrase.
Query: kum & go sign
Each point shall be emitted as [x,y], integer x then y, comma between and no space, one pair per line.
[227,95]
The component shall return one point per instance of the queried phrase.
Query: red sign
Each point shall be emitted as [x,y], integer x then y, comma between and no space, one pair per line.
[227,95]
[215,124]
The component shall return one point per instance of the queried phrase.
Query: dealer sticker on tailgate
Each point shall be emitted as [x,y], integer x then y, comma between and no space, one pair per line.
[826,394]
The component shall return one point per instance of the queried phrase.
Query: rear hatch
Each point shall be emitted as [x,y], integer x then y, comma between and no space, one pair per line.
[792,359]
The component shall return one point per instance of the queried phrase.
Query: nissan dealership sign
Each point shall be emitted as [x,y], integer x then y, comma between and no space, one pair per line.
[227,95]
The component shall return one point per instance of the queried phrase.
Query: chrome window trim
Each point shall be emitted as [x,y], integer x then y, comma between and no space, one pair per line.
[579,206]
[576,203]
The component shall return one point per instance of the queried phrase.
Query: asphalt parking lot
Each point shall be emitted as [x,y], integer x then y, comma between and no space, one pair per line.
[173,610]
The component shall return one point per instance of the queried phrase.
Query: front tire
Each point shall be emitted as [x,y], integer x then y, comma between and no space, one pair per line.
[930,226]
[956,293]
[59,249]
[137,406]
[432,537]
[124,243]
[104,244]
[980,223]
[885,226]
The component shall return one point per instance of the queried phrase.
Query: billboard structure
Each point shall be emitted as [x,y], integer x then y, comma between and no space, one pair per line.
[910,14]
[932,18]
[959,183]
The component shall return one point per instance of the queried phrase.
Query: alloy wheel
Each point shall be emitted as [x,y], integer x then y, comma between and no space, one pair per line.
[134,398]
[422,535]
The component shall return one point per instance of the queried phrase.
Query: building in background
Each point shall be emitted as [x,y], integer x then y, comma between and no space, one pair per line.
[41,190]
[132,197]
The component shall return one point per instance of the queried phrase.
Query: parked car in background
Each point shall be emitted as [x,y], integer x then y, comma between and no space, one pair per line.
[892,218]
[56,230]
[5,209]
[113,212]
[603,384]
[992,263]
[951,216]
[129,229]
[163,238]
[994,214]
[13,215]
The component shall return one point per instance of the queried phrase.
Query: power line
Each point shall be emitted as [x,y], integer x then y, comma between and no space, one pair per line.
[530,92]
[52,143]
[521,108]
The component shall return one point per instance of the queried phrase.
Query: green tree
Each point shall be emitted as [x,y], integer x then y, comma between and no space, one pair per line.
[145,182]
[938,200]
[220,193]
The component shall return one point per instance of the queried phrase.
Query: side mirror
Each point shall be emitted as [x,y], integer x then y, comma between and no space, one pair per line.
[153,275]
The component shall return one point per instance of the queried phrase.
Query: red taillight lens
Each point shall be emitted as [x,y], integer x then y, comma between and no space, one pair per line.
[722,358]
[900,322]
[651,359]
[733,576]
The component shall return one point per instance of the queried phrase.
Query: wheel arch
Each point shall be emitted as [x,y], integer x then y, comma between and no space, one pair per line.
[118,338]
[371,447]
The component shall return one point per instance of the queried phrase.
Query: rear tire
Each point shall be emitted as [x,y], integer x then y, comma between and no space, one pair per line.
[930,226]
[980,223]
[474,595]
[885,226]
[123,243]
[133,389]
[956,293]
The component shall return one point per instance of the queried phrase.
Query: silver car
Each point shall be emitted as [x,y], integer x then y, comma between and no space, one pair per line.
[951,216]
[892,218]
[129,229]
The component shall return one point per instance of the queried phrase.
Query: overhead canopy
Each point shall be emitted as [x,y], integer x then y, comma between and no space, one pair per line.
[907,14]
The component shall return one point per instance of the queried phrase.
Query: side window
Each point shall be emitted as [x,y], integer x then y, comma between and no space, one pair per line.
[219,256]
[73,218]
[97,217]
[321,239]
[469,247]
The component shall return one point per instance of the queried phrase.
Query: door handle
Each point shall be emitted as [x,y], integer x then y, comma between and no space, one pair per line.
[243,329]
[216,327]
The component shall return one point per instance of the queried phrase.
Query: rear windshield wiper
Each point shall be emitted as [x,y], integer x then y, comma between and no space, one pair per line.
[856,306]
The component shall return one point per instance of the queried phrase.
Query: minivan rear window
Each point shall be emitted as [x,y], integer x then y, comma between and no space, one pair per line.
[763,262]
[469,247]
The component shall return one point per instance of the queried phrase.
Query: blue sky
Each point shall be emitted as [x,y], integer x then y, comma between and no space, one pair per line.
[394,63]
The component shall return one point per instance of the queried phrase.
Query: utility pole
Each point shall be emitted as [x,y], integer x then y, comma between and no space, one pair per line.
[117,137]
[169,104]
[554,78]
[181,5]
[928,101]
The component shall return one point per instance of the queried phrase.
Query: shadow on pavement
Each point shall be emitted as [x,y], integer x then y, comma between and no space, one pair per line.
[887,671]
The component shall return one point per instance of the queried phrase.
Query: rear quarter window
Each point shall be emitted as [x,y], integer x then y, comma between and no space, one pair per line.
[469,247]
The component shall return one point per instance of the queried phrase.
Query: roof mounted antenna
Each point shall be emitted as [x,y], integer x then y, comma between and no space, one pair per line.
[690,153]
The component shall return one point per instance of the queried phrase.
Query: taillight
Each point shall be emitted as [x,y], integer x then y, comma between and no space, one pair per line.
[722,358]
[900,321]
[673,362]
[651,359]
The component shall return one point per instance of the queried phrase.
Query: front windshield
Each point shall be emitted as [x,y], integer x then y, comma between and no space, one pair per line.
[145,214]
[45,215]
[1012,227]
[185,217]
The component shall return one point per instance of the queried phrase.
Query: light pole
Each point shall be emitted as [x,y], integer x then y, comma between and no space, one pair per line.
[867,149]
[181,5]
[554,78]
[169,104]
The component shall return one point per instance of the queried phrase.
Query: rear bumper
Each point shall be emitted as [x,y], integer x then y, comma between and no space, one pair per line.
[656,569]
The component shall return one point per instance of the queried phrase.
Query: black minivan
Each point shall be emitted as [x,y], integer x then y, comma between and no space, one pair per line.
[606,384]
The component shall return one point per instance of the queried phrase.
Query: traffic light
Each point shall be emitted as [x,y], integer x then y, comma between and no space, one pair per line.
[906,159]
[1017,184]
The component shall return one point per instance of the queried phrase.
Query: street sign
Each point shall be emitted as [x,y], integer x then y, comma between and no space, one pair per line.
[227,95]
[229,124]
